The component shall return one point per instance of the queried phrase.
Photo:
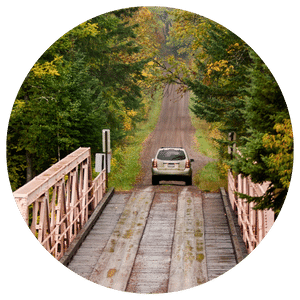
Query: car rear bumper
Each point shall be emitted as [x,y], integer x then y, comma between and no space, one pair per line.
[164,174]
[170,178]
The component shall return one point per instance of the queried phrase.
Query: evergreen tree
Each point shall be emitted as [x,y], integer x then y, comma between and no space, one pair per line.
[220,76]
[79,86]
[265,109]
[235,89]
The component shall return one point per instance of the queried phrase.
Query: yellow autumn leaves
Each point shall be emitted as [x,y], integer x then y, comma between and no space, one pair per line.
[281,161]
[223,66]
[128,119]
[146,31]
[220,66]
[47,68]
[85,29]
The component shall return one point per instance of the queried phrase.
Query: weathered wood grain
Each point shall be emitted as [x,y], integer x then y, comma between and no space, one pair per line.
[179,241]
[150,272]
[188,266]
[88,254]
[219,250]
[115,263]
[236,233]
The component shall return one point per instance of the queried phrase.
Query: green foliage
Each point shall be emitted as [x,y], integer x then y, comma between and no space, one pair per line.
[265,114]
[211,177]
[234,89]
[88,80]
[219,78]
[206,136]
[98,75]
[274,154]
[125,162]
[280,161]
[214,174]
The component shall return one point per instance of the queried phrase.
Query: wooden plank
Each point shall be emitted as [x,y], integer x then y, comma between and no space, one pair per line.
[188,266]
[77,242]
[114,265]
[96,241]
[219,249]
[234,234]
[164,253]
[150,272]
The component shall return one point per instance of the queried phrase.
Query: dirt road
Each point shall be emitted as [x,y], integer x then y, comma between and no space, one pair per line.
[174,128]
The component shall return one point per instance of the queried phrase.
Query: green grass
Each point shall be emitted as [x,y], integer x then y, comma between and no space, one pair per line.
[211,178]
[125,164]
[204,137]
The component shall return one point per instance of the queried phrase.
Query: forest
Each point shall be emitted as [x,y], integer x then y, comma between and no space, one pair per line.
[104,73]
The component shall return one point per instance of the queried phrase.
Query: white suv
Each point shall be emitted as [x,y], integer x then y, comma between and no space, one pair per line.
[171,163]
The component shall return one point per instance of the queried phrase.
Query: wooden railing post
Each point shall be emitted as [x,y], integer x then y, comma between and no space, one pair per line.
[23,208]
[255,224]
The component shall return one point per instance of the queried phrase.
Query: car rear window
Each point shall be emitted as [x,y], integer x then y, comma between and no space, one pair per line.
[171,154]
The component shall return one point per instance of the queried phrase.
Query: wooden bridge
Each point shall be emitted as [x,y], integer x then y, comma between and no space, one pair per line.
[149,240]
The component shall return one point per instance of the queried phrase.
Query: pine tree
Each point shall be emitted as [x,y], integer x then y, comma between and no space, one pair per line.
[79,86]
[221,70]
[265,109]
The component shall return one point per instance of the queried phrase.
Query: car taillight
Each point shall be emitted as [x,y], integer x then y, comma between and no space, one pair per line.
[188,164]
[154,163]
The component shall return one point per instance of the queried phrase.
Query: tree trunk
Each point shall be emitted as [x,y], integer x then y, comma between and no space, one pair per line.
[29,169]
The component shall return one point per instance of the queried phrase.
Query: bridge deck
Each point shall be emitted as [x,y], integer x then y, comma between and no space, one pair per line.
[155,242]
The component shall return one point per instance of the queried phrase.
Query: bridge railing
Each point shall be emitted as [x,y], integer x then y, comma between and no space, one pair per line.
[57,203]
[255,224]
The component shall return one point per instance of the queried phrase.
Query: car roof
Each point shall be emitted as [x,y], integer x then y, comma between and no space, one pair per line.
[171,148]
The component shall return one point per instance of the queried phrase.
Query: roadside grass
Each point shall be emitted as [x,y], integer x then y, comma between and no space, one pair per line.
[125,165]
[211,178]
[214,174]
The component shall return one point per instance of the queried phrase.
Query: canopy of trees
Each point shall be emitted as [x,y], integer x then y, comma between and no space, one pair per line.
[234,88]
[91,78]
[95,76]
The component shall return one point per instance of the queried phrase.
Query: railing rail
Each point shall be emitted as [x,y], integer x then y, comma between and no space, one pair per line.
[255,224]
[57,203]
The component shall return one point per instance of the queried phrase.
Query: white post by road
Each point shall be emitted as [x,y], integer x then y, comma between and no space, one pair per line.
[106,150]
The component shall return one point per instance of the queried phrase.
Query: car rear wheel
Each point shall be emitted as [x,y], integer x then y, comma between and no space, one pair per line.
[155,180]
[188,181]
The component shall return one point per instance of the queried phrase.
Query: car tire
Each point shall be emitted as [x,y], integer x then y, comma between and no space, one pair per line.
[155,180]
[188,181]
